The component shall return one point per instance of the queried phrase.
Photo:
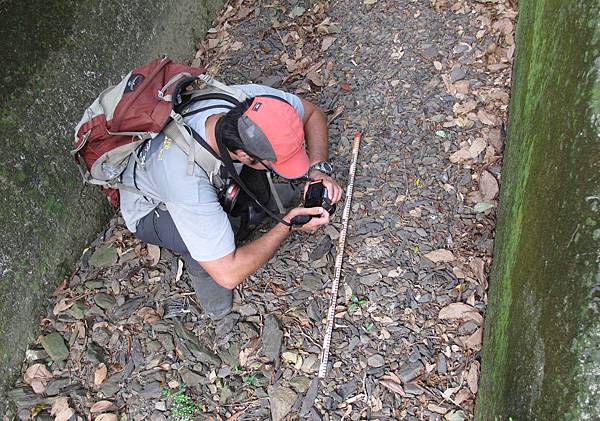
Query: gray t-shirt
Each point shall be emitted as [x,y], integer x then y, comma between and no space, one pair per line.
[191,200]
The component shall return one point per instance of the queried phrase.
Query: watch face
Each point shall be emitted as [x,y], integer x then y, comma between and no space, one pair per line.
[324,167]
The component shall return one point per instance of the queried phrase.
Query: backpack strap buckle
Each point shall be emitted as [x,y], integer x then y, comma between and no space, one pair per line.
[177,117]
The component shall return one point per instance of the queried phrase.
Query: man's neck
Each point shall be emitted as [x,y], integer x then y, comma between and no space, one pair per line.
[209,127]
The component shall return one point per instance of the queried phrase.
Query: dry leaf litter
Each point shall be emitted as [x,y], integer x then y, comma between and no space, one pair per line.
[427,82]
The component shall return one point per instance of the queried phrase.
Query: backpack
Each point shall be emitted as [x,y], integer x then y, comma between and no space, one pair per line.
[124,117]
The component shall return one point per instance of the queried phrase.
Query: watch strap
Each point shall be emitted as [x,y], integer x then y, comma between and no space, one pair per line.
[323,166]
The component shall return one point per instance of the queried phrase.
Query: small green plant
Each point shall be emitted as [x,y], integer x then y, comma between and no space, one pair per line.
[237,370]
[368,327]
[356,302]
[250,380]
[183,407]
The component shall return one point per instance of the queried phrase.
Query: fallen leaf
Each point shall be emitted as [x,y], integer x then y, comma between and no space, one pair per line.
[150,315]
[448,83]
[290,357]
[235,416]
[455,416]
[327,42]
[486,118]
[60,287]
[462,87]
[449,392]
[462,396]
[460,311]
[393,386]
[510,52]
[438,66]
[101,406]
[237,45]
[37,376]
[474,341]
[368,2]
[243,12]
[464,108]
[179,270]
[440,255]
[488,186]
[393,377]
[345,86]
[477,147]
[61,410]
[483,206]
[338,111]
[495,139]
[474,197]
[497,67]
[460,156]
[277,289]
[62,305]
[478,267]
[440,133]
[100,374]
[243,356]
[501,96]
[473,377]
[297,12]
[504,25]
[213,43]
[458,272]
[315,78]
[106,417]
[437,409]
[154,253]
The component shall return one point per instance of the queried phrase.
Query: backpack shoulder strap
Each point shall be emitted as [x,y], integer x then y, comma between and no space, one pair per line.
[234,92]
[211,89]
[187,140]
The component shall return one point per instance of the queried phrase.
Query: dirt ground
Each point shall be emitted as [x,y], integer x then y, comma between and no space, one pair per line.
[427,84]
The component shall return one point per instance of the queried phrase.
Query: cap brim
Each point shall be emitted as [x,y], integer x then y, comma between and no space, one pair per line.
[294,167]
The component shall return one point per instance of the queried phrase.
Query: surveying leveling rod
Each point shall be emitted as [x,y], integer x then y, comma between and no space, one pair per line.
[338,260]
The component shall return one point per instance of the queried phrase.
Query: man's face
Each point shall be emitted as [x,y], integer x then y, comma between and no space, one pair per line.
[244,158]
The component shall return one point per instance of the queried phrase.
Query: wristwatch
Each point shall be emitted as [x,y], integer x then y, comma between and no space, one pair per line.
[323,166]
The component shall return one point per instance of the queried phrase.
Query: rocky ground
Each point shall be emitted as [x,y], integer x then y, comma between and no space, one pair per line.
[427,83]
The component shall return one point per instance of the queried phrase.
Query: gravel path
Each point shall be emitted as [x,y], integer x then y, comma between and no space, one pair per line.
[427,84]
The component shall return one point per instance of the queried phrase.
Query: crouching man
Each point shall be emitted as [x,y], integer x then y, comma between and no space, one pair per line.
[266,133]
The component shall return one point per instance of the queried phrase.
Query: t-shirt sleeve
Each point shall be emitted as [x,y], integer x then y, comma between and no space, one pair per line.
[255,90]
[203,226]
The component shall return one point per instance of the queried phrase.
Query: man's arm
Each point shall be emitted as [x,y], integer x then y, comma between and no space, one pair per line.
[316,135]
[315,132]
[229,271]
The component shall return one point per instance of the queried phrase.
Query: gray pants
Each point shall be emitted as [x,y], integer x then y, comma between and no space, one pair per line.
[158,228]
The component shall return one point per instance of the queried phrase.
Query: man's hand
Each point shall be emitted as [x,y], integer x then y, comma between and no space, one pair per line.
[319,217]
[334,191]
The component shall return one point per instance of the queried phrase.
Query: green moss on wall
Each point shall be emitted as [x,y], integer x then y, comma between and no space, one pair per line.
[54,73]
[542,327]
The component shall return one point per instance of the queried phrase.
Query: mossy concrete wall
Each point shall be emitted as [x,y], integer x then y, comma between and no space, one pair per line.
[58,56]
[541,357]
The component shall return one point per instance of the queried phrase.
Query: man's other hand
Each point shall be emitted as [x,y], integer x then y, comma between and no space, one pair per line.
[334,191]
[319,217]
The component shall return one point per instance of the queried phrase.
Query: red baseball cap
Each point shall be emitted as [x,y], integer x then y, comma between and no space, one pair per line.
[271,130]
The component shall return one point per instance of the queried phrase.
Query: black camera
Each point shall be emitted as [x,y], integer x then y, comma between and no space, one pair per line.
[316,196]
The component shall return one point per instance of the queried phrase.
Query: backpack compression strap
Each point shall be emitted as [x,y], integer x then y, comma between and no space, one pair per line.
[186,138]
